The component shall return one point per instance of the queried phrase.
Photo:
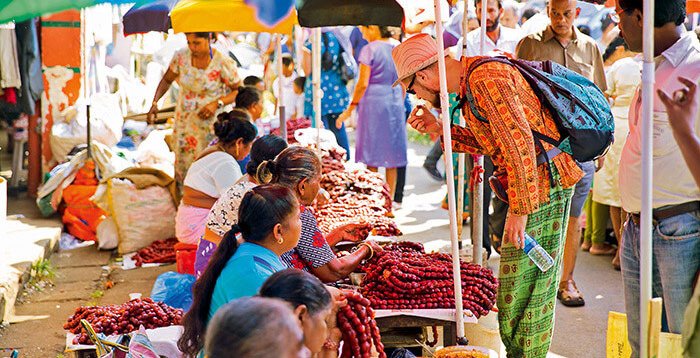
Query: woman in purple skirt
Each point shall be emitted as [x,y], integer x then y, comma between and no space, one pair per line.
[381,125]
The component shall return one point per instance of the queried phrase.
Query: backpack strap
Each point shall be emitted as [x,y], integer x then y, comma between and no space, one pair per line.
[468,98]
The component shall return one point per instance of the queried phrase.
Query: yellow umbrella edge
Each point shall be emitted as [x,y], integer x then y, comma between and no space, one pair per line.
[207,16]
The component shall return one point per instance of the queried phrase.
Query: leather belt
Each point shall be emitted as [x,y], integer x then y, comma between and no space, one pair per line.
[664,213]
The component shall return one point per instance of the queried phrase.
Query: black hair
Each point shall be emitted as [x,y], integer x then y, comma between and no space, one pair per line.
[287,60]
[500,3]
[247,96]
[251,80]
[264,148]
[290,167]
[664,11]
[527,14]
[230,126]
[385,32]
[298,288]
[612,47]
[239,329]
[584,29]
[203,35]
[300,81]
[261,209]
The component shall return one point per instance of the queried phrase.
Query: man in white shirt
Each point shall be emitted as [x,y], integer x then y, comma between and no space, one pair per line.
[497,37]
[675,196]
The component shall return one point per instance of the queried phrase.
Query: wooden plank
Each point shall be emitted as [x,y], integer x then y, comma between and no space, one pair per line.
[655,311]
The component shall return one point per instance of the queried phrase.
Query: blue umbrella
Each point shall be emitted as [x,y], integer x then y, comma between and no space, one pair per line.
[151,16]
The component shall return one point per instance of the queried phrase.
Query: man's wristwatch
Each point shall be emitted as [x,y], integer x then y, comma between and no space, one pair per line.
[220,104]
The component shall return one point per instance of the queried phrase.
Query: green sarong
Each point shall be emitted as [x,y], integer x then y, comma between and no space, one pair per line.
[527,296]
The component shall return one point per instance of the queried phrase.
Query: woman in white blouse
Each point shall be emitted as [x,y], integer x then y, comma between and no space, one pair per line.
[214,170]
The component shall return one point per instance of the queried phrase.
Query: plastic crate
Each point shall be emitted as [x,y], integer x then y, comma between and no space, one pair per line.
[185,255]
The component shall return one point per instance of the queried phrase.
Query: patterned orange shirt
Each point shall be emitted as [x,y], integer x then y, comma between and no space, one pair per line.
[507,101]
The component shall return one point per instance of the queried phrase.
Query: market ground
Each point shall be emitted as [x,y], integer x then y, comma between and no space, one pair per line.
[84,275]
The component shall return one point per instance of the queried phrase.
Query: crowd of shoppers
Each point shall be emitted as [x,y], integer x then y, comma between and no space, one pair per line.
[256,233]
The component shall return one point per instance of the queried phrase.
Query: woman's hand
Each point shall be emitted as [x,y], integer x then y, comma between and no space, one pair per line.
[208,110]
[357,232]
[514,231]
[152,114]
[423,121]
[343,117]
[353,232]
[682,109]
[374,245]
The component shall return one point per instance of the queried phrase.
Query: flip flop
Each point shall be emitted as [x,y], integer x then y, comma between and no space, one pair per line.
[569,300]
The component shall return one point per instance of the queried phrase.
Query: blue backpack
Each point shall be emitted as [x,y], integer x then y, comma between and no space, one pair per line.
[579,108]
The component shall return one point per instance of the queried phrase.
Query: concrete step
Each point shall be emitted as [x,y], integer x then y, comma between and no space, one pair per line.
[23,241]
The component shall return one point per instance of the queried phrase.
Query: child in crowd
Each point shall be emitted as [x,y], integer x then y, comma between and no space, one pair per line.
[289,95]
[254,81]
[299,83]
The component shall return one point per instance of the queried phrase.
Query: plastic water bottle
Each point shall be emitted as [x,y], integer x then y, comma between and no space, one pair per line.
[537,254]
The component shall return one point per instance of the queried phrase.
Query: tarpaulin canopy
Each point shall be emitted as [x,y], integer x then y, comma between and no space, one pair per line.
[20,10]
[316,13]
[151,16]
[234,15]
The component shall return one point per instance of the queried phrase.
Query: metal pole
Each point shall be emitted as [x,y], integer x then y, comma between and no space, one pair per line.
[316,71]
[447,137]
[478,202]
[645,225]
[280,93]
[89,133]
[461,157]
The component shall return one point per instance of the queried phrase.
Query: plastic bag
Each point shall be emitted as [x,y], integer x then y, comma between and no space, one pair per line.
[107,234]
[174,289]
[617,345]
[131,209]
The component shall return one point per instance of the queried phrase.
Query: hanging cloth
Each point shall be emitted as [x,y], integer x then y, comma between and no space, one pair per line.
[9,65]
[29,57]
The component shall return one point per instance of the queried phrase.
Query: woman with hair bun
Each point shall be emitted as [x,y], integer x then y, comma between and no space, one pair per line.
[224,213]
[299,169]
[213,172]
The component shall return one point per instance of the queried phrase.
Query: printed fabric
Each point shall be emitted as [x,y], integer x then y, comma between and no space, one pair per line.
[198,87]
[526,295]
[313,250]
[513,111]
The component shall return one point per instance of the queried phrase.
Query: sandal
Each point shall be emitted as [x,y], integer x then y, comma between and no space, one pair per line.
[570,296]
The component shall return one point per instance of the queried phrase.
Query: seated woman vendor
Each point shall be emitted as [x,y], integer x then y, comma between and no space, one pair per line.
[300,170]
[270,225]
[224,213]
[214,170]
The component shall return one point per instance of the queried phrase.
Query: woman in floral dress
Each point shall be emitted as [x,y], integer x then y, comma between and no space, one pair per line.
[208,81]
